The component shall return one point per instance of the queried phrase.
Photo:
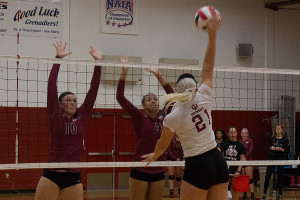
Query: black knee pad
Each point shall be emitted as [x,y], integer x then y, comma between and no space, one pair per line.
[229,185]
[178,178]
[171,177]
[251,181]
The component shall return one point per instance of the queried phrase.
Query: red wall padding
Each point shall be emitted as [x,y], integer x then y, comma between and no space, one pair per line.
[32,129]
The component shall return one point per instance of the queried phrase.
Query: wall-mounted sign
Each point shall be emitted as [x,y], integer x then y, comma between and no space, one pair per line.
[119,16]
[30,18]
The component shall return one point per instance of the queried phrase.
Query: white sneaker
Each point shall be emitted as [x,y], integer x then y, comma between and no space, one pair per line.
[229,195]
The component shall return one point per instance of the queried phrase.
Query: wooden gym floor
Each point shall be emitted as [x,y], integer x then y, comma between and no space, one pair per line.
[288,194]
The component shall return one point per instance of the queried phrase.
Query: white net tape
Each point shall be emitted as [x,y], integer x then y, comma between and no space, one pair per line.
[138,164]
[236,88]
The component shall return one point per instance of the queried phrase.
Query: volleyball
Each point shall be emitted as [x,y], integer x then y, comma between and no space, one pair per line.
[203,15]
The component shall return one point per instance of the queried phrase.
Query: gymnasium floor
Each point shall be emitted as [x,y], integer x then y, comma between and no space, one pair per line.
[291,194]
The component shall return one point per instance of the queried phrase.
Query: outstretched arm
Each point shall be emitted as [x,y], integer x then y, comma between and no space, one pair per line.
[133,111]
[209,59]
[161,146]
[123,59]
[158,75]
[52,98]
[162,80]
[91,96]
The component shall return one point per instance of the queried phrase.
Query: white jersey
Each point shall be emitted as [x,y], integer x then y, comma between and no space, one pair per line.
[192,123]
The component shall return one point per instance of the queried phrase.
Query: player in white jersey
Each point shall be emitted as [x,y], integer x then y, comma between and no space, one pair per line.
[192,118]
[206,171]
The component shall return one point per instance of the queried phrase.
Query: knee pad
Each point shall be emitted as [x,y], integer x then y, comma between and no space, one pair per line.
[251,181]
[171,177]
[178,178]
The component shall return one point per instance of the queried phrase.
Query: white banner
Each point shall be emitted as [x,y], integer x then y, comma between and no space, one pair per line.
[31,18]
[119,16]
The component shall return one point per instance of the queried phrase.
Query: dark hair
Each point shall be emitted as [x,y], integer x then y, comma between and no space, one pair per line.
[62,95]
[144,97]
[224,136]
[186,75]
[231,128]
[219,147]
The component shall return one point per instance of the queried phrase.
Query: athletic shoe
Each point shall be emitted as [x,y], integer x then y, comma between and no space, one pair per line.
[229,195]
[263,198]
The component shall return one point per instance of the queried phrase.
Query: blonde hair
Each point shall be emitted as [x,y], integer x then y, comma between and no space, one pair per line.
[186,90]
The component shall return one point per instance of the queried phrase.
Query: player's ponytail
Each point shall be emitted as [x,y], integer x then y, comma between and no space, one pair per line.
[186,90]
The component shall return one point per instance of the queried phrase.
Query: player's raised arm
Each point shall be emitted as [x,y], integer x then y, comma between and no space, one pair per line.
[209,59]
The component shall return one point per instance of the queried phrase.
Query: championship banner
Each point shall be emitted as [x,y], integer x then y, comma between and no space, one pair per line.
[119,16]
[31,18]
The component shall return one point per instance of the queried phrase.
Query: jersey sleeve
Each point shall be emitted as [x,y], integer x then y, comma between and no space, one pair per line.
[52,97]
[206,92]
[171,121]
[286,145]
[125,104]
[250,151]
[91,96]
[224,145]
[168,89]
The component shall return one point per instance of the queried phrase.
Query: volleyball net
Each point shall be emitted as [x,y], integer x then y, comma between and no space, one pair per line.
[252,98]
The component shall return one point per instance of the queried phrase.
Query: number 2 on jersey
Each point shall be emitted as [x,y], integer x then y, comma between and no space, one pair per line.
[198,121]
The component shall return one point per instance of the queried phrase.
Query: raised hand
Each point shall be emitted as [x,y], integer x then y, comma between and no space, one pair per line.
[61,49]
[152,70]
[123,58]
[97,55]
[214,23]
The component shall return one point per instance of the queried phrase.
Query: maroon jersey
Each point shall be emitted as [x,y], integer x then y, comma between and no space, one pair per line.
[175,150]
[147,130]
[248,145]
[67,134]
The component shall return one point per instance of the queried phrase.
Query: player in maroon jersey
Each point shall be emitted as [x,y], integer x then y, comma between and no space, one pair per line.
[248,170]
[175,153]
[145,183]
[67,126]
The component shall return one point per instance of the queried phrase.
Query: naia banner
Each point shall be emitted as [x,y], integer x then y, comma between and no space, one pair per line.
[119,16]
[31,18]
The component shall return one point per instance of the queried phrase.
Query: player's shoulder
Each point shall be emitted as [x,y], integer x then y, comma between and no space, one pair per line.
[205,89]
[178,107]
